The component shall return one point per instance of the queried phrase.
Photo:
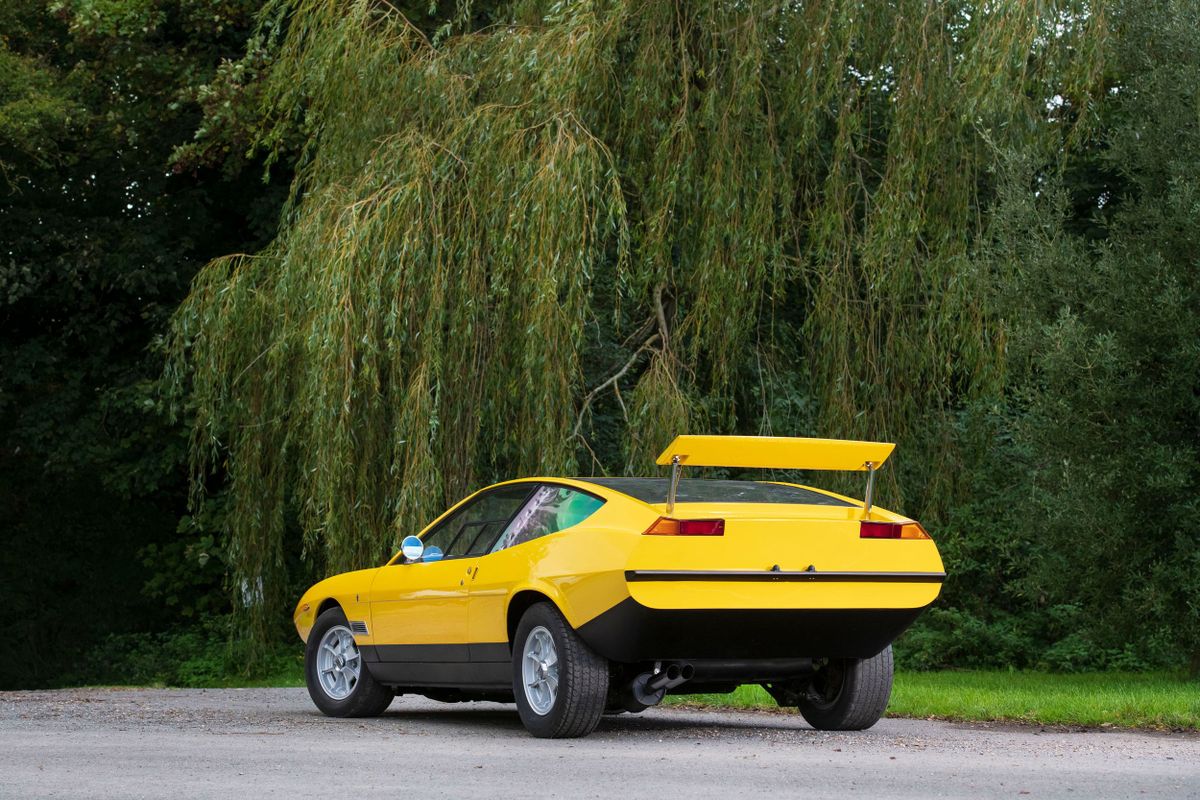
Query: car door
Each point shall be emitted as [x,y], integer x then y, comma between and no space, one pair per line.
[419,609]
[550,508]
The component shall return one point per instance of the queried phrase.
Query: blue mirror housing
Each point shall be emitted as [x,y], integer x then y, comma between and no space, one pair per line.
[412,548]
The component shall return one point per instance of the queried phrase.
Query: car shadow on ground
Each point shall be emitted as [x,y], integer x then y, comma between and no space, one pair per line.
[495,719]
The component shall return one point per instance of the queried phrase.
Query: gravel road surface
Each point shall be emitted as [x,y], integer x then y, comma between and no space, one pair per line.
[239,743]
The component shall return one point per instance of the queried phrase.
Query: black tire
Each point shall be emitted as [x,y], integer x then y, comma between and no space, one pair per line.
[582,678]
[367,697]
[849,694]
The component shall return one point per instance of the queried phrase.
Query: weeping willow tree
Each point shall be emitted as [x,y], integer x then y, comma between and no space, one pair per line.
[729,191]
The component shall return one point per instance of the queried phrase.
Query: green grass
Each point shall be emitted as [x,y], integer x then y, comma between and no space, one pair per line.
[1125,700]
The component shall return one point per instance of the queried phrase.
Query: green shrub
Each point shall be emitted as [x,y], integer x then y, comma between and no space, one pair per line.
[204,655]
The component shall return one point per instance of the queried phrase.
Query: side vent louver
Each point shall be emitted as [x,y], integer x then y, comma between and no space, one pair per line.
[358,628]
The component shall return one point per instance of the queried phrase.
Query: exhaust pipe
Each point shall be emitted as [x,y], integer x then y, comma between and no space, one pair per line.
[649,688]
[655,682]
[670,677]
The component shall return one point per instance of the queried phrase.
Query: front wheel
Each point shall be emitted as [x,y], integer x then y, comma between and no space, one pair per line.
[560,685]
[338,681]
[849,694]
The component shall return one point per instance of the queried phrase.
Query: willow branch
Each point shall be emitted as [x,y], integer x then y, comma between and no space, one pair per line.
[611,381]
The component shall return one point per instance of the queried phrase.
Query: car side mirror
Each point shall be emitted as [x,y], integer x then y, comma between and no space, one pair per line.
[412,549]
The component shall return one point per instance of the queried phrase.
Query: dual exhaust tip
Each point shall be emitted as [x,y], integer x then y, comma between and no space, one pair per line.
[649,688]
[668,678]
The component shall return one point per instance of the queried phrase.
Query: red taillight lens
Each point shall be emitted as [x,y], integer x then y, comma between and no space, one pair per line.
[665,526]
[891,530]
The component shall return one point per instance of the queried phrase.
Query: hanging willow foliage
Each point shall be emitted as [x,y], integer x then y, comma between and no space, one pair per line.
[759,186]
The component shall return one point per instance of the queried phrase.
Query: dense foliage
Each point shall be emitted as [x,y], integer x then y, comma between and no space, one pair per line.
[545,238]
[100,235]
[1087,554]
[727,195]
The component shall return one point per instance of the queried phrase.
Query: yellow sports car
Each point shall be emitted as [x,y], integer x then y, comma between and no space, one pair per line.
[580,596]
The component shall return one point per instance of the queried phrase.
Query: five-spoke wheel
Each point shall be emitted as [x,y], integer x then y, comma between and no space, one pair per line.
[559,684]
[540,671]
[337,680]
[338,662]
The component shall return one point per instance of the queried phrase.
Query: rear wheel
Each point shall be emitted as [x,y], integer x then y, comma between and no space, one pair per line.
[849,694]
[560,685]
[338,681]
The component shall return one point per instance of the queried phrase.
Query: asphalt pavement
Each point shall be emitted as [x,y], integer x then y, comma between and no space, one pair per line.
[252,743]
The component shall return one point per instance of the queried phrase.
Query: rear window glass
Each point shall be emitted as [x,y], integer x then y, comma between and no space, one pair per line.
[698,490]
[549,510]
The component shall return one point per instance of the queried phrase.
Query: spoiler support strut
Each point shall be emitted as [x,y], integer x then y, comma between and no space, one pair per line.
[870,465]
[676,471]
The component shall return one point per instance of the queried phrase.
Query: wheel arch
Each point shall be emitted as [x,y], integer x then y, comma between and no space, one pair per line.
[519,603]
[328,603]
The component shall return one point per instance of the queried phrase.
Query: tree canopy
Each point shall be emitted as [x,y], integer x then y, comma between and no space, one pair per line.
[322,268]
[726,196]
[101,233]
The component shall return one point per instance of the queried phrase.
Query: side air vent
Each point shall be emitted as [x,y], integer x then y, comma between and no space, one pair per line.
[358,628]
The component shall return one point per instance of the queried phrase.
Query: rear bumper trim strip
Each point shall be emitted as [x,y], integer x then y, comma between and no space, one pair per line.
[769,576]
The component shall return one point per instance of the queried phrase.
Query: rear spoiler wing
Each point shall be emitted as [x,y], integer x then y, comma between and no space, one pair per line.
[774,452]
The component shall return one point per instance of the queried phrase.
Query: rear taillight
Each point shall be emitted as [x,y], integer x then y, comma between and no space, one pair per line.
[665,526]
[891,530]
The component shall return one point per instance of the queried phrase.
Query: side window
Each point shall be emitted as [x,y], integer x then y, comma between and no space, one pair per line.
[471,530]
[549,510]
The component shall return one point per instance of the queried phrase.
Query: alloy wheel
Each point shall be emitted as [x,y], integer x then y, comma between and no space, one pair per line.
[539,670]
[339,663]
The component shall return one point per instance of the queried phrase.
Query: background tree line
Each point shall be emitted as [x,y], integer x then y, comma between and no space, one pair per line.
[494,239]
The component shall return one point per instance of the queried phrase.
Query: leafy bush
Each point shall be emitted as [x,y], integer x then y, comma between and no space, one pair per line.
[204,655]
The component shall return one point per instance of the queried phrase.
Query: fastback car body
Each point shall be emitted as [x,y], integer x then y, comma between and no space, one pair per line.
[576,596]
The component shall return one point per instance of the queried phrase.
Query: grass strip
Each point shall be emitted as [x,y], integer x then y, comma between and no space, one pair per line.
[1155,700]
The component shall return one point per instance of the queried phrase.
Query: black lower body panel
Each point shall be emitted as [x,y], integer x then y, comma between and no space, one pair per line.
[631,632]
[482,667]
